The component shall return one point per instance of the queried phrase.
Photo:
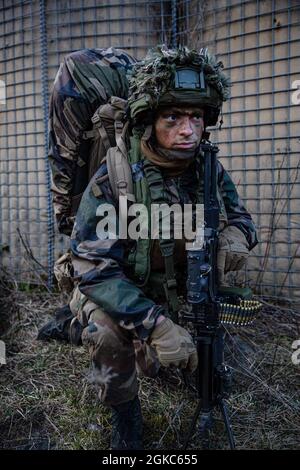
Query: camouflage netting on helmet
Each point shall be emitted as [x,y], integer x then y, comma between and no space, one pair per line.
[154,78]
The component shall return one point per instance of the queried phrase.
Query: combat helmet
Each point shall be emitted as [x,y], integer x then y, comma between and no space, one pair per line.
[177,77]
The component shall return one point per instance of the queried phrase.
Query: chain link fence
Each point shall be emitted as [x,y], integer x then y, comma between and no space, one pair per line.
[259,142]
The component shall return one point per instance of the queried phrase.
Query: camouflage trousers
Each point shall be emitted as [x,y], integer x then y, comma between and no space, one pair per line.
[118,358]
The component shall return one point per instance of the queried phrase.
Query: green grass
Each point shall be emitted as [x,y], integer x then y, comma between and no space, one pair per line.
[48,402]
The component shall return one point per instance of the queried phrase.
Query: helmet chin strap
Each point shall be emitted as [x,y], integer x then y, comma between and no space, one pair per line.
[148,132]
[205,136]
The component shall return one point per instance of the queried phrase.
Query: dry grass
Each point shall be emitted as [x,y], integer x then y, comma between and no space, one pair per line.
[47,401]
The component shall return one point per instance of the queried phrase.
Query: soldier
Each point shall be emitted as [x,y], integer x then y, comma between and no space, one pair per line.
[127,289]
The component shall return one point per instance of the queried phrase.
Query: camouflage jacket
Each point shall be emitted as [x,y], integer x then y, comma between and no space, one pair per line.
[102,268]
[85,80]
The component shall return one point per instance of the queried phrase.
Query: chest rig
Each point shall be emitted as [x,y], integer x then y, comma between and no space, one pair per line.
[150,187]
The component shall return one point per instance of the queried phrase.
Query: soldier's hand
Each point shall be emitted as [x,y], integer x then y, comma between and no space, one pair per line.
[232,251]
[174,346]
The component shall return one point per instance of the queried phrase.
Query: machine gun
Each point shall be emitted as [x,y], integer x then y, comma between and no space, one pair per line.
[209,309]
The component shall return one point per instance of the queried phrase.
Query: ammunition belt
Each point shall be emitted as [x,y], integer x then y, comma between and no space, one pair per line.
[240,314]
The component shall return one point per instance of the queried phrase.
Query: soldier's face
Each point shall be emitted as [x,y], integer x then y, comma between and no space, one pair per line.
[179,128]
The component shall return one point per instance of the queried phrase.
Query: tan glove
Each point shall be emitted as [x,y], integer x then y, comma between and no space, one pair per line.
[232,251]
[174,346]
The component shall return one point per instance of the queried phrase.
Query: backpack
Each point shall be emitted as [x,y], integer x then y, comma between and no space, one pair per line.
[108,137]
[107,143]
[85,80]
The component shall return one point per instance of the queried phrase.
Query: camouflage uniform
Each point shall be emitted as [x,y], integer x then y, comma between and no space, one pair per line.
[105,279]
[118,315]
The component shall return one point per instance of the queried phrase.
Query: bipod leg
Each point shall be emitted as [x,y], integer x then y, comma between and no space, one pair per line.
[192,426]
[224,412]
[205,426]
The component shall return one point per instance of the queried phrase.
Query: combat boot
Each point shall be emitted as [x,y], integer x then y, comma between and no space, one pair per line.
[127,426]
[63,327]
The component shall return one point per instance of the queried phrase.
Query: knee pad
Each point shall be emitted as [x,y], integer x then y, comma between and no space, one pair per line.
[82,307]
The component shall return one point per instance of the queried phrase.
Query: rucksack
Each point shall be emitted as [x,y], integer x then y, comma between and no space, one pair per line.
[107,143]
[85,80]
[108,137]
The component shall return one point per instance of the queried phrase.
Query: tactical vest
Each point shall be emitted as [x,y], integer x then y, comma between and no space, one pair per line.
[132,175]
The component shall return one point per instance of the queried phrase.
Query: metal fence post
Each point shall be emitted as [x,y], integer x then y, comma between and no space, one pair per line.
[45,97]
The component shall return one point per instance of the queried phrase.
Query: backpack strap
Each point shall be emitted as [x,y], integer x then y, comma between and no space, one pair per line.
[167,246]
[108,137]
[98,131]
[118,167]
[98,127]
[109,113]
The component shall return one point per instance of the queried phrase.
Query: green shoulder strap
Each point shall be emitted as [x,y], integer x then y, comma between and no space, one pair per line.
[132,175]
[167,246]
[140,257]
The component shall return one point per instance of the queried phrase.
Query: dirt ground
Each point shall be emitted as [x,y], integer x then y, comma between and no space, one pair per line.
[49,402]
